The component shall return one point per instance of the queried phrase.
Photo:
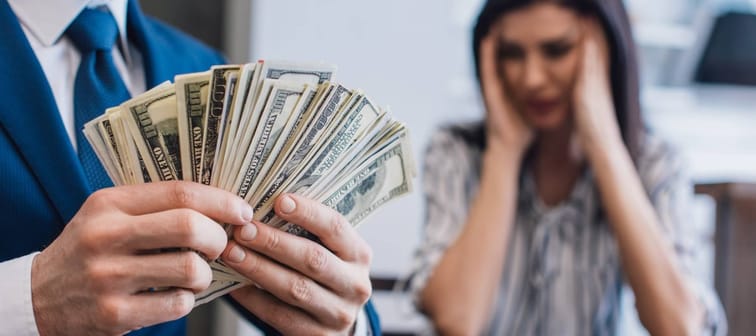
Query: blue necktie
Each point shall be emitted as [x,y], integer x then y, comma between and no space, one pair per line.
[98,84]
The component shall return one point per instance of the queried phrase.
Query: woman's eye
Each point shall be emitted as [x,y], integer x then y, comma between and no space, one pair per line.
[555,51]
[510,52]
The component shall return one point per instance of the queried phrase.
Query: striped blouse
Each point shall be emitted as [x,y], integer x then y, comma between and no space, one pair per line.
[562,274]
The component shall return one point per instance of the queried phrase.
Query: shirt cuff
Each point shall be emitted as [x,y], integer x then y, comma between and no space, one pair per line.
[15,289]
[361,325]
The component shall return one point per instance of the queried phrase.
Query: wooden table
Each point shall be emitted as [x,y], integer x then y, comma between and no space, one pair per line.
[735,252]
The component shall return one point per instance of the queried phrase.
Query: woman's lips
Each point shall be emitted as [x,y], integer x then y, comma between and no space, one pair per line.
[542,105]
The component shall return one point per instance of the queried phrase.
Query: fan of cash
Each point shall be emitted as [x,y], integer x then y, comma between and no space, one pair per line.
[259,130]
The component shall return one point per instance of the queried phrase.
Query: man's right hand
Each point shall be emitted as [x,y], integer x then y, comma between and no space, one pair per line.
[99,275]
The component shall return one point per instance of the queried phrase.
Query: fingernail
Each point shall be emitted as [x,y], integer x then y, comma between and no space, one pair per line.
[287,204]
[247,212]
[236,255]
[248,232]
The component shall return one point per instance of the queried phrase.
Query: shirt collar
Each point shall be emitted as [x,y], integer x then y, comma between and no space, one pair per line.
[48,20]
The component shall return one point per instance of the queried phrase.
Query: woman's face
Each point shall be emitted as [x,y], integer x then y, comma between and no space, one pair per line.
[539,55]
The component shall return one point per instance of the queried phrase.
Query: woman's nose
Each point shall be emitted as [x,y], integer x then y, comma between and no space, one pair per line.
[535,74]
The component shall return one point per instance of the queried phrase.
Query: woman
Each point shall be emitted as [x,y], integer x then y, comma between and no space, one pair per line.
[538,218]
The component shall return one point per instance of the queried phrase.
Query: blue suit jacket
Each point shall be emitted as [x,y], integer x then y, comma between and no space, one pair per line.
[42,184]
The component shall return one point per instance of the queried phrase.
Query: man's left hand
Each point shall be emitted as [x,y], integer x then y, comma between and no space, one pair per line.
[302,287]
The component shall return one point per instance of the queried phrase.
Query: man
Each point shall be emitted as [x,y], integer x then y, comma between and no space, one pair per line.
[60,60]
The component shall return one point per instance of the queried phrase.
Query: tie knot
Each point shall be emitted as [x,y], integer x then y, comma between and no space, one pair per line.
[93,30]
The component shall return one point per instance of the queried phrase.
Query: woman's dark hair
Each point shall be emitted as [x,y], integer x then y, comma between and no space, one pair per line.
[623,63]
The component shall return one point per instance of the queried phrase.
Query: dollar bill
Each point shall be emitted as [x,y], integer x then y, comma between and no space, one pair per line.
[191,97]
[319,122]
[100,143]
[283,100]
[274,159]
[248,75]
[153,124]
[382,178]
[324,144]
[356,124]
[292,133]
[222,80]
[261,85]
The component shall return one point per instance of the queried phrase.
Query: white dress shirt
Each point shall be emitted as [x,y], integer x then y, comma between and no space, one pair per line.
[44,23]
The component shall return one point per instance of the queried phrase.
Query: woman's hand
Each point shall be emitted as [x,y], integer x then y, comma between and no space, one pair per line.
[595,116]
[506,130]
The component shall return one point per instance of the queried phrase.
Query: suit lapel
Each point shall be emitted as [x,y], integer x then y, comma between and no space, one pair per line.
[30,114]
[31,118]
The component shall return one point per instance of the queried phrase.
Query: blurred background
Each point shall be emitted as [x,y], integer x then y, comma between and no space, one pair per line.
[698,65]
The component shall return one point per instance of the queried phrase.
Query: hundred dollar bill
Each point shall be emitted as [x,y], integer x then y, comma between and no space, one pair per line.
[246,132]
[123,145]
[293,73]
[248,74]
[293,131]
[288,132]
[319,122]
[153,124]
[298,72]
[384,177]
[100,143]
[324,142]
[301,150]
[357,122]
[229,108]
[111,146]
[373,142]
[351,157]
[133,164]
[281,104]
[222,79]
[389,134]
[380,180]
[191,97]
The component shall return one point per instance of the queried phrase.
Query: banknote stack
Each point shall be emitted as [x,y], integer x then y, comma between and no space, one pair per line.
[259,130]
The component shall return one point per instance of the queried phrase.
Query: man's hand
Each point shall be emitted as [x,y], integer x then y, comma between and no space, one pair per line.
[302,288]
[117,266]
